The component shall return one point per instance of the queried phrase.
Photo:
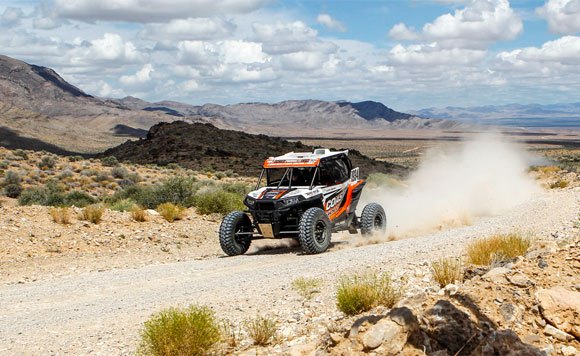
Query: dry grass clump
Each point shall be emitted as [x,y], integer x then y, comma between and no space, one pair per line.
[190,331]
[262,329]
[170,211]
[61,215]
[496,248]
[307,287]
[559,184]
[93,213]
[446,271]
[138,213]
[361,292]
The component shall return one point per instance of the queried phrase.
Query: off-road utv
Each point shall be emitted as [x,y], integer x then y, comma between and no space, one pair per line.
[305,196]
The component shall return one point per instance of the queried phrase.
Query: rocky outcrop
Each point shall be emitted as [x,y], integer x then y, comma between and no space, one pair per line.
[561,308]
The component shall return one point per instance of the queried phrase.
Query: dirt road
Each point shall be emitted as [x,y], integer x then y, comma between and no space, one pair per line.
[102,312]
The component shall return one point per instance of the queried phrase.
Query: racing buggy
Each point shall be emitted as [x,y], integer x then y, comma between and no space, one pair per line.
[305,196]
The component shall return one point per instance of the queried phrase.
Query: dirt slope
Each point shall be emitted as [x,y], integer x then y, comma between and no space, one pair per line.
[101,312]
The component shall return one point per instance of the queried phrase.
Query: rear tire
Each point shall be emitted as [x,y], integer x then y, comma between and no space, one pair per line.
[373,220]
[233,224]
[314,231]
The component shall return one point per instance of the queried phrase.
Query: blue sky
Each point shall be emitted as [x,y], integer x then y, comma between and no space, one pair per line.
[406,54]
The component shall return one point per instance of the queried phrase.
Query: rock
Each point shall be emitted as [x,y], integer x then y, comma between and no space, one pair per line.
[570,351]
[531,339]
[557,333]
[520,280]
[548,350]
[509,312]
[496,275]
[302,350]
[405,318]
[386,331]
[505,342]
[451,289]
[451,328]
[561,307]
[372,319]
[542,263]
[152,212]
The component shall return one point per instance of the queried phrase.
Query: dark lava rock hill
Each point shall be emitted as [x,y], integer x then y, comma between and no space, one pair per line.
[200,146]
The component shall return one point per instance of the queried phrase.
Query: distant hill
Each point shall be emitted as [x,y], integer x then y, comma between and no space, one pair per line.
[200,146]
[532,115]
[37,103]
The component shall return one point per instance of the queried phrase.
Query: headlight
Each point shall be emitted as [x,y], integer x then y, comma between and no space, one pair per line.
[287,201]
[250,202]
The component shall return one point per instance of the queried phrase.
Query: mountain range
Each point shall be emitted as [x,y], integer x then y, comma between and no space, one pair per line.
[531,115]
[37,104]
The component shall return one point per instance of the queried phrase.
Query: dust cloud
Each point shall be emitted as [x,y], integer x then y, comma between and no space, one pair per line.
[483,176]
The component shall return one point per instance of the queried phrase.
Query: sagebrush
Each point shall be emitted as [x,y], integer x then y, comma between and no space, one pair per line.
[446,271]
[190,331]
[497,248]
[361,292]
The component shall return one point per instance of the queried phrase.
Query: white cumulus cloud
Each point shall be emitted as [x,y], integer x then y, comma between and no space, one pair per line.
[563,16]
[188,29]
[144,11]
[143,76]
[332,24]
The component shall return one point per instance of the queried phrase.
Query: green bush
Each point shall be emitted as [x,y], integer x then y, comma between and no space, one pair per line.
[13,190]
[119,172]
[110,161]
[46,162]
[261,329]
[170,211]
[93,213]
[53,195]
[360,293]
[122,205]
[218,201]
[177,190]
[21,153]
[191,331]
[11,178]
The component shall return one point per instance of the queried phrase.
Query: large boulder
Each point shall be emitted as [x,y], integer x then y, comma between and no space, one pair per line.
[561,308]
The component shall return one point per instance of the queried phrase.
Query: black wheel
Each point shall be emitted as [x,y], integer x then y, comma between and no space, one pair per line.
[236,233]
[373,219]
[314,231]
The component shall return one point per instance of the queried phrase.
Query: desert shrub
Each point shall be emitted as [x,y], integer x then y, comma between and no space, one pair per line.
[171,212]
[138,213]
[102,177]
[220,175]
[307,287]
[21,154]
[134,177]
[238,188]
[559,184]
[79,199]
[177,190]
[119,172]
[110,161]
[67,173]
[75,158]
[446,271]
[262,329]
[173,166]
[218,201]
[61,215]
[11,177]
[497,248]
[46,162]
[13,190]
[93,213]
[361,292]
[190,331]
[122,205]
[4,164]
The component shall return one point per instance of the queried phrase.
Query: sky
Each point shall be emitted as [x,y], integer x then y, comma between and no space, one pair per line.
[406,54]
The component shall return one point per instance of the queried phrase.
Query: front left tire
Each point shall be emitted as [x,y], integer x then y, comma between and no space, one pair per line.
[235,233]
[314,231]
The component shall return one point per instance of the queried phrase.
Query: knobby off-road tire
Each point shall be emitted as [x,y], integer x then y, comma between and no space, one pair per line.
[231,243]
[314,231]
[373,220]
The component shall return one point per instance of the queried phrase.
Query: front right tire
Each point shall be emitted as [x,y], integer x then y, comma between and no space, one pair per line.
[235,233]
[314,231]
